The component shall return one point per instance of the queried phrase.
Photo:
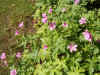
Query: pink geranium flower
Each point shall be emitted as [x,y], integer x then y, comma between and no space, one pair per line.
[45,47]
[44,20]
[65,24]
[52,25]
[72,47]
[82,20]
[50,10]
[13,72]
[17,32]
[87,35]
[3,56]
[21,24]
[18,55]
[44,15]
[63,9]
[76,2]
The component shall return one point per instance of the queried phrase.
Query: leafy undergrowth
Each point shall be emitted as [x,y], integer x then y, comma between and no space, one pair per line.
[66,41]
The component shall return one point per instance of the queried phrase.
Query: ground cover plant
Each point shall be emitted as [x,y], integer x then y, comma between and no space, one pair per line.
[63,39]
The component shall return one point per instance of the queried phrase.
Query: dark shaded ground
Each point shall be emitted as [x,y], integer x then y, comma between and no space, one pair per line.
[12,12]
[95,4]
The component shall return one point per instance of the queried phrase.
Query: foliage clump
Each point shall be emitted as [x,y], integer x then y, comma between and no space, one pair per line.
[66,41]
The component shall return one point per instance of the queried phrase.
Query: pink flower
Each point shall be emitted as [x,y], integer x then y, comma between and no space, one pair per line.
[18,55]
[72,47]
[13,72]
[82,20]
[63,9]
[21,24]
[45,47]
[44,15]
[76,2]
[87,35]
[17,32]
[65,24]
[50,10]
[52,26]
[44,20]
[3,56]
